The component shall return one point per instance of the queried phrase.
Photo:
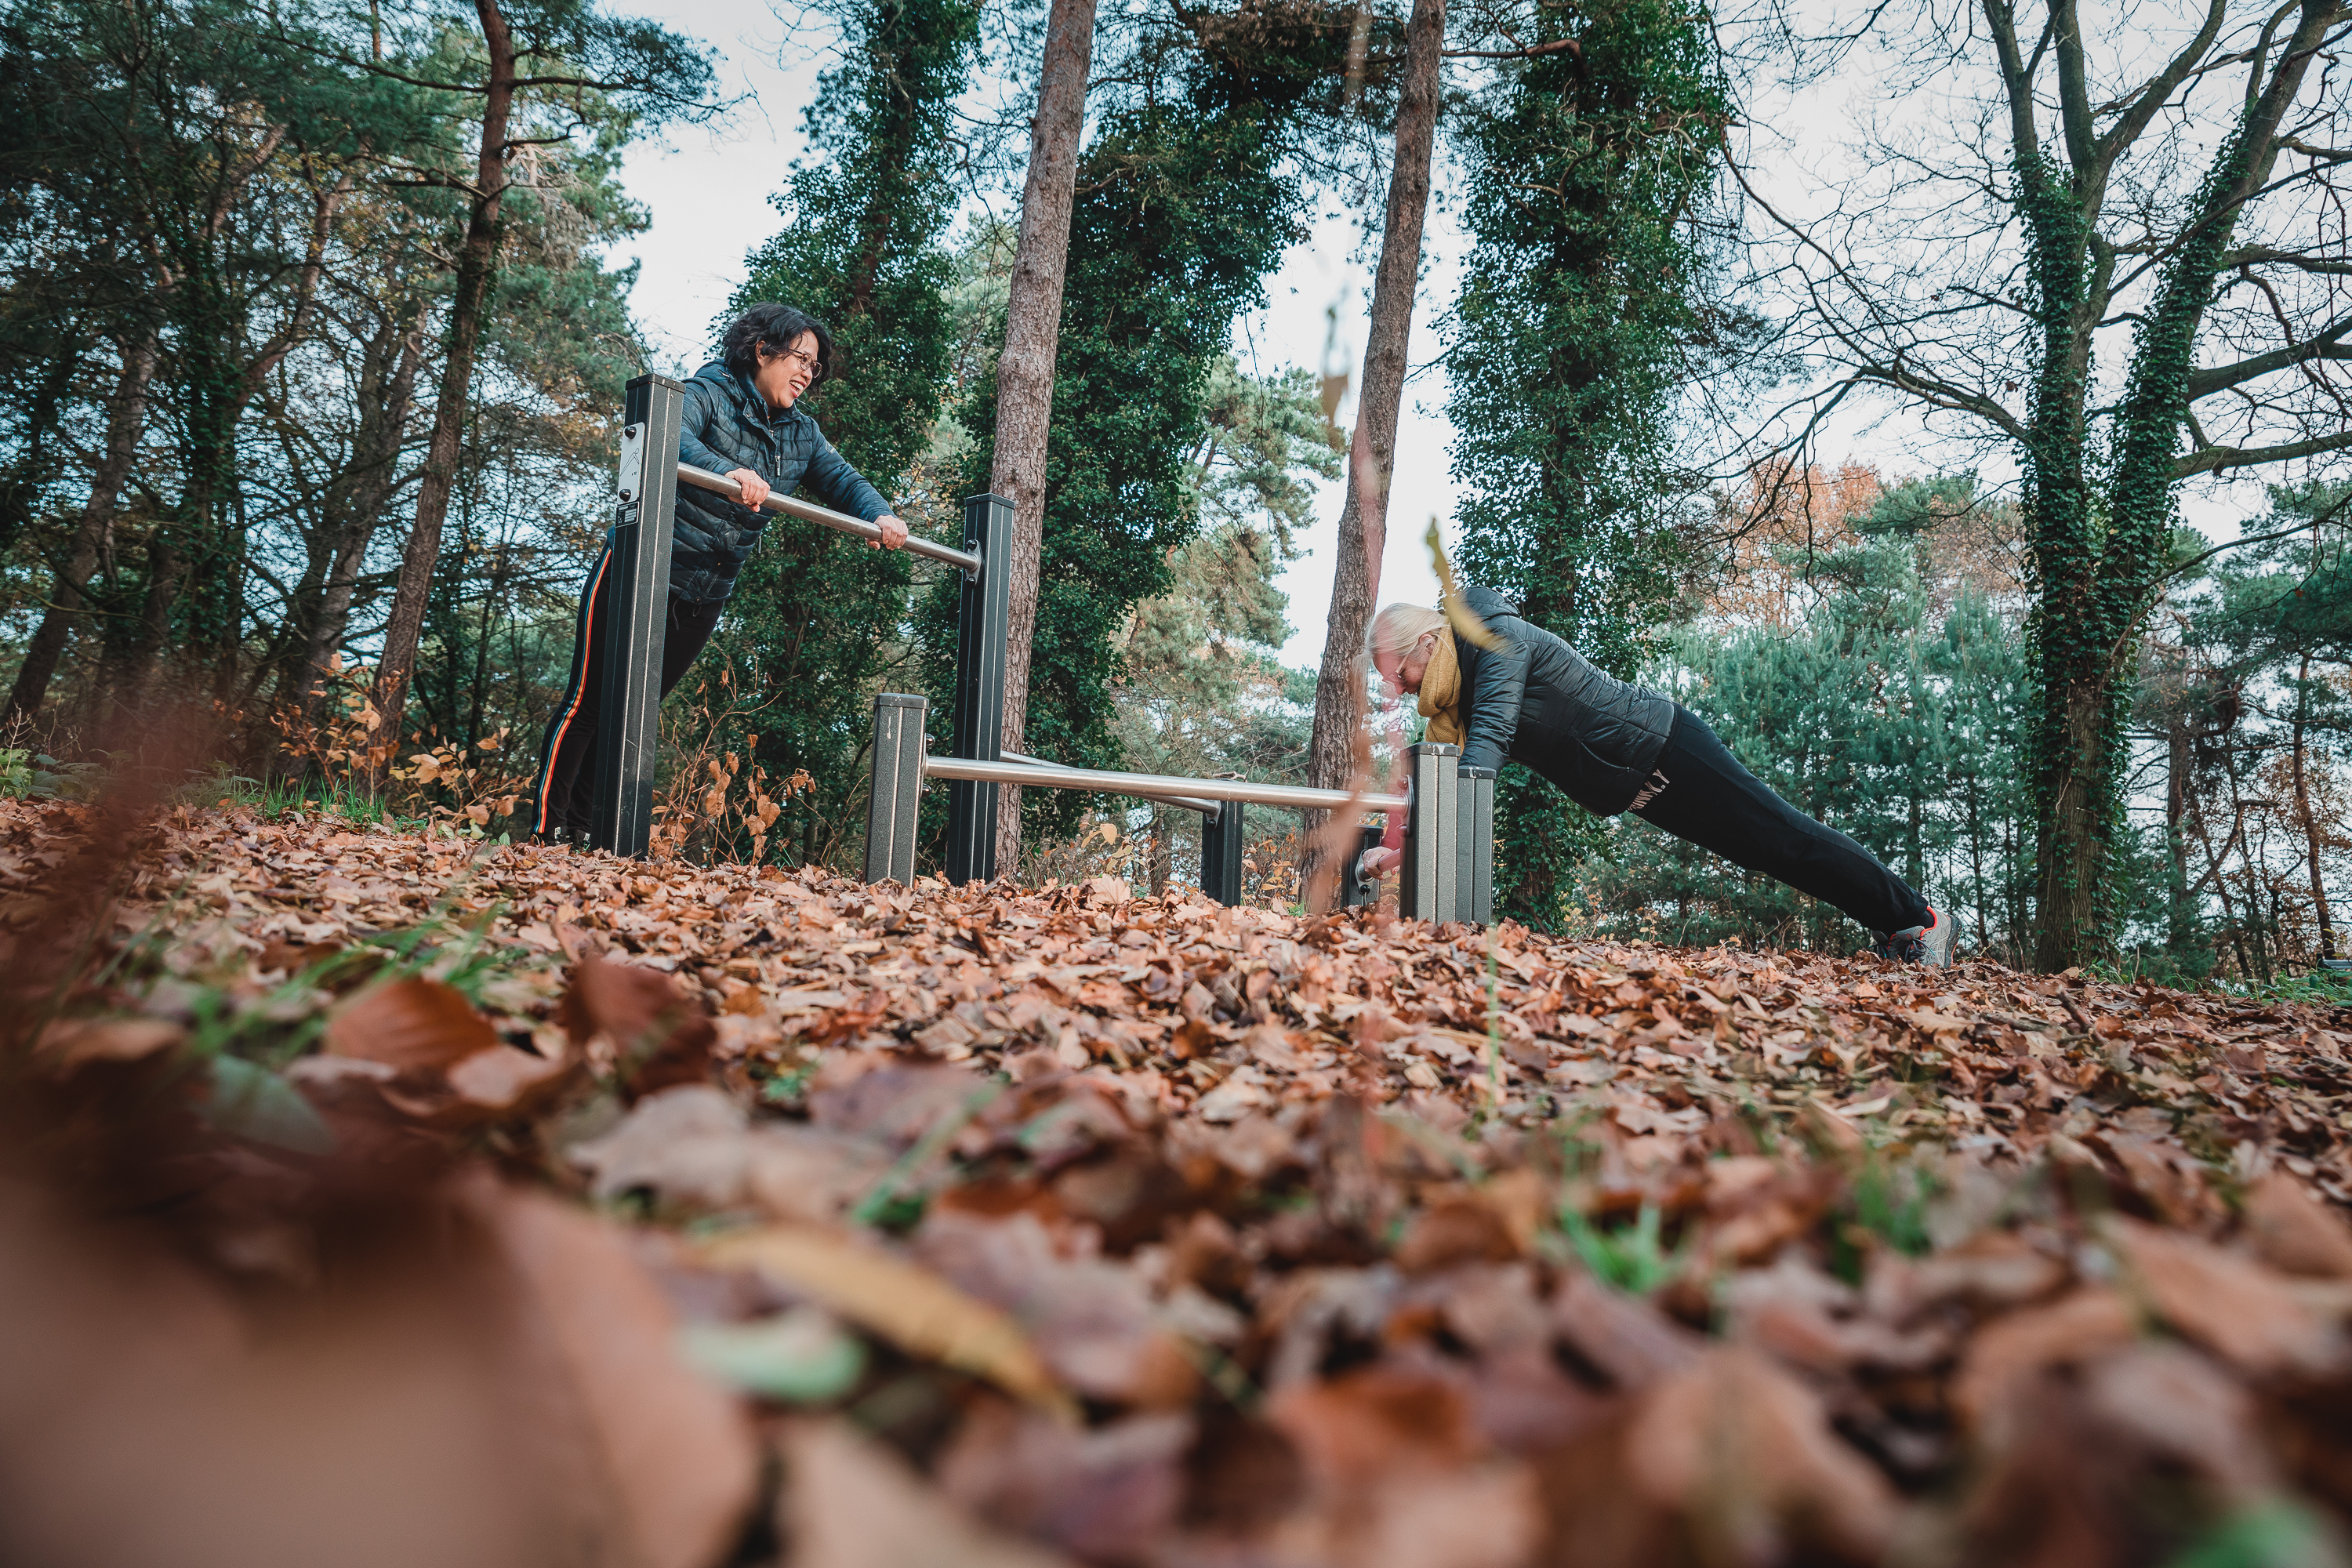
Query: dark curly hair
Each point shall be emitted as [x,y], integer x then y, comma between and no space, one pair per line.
[775,327]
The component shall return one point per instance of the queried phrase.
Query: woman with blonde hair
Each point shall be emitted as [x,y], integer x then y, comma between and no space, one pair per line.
[1613,746]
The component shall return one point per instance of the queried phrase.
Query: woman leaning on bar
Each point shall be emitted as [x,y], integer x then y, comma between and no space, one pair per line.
[1612,746]
[742,419]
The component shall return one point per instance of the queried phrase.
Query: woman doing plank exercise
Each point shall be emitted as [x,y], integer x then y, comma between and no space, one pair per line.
[1612,746]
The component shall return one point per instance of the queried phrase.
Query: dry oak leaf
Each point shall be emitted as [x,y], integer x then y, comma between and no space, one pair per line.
[663,1037]
[851,1502]
[2014,1349]
[681,1459]
[1746,1453]
[2249,1315]
[409,1023]
[69,1043]
[908,1305]
[2295,1232]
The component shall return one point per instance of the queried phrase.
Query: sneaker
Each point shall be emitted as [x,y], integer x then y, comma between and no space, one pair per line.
[1930,945]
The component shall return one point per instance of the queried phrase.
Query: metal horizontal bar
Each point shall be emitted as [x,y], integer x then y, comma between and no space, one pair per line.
[808,511]
[1153,786]
[1191,803]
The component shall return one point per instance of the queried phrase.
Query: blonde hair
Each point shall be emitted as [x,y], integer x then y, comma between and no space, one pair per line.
[1398,627]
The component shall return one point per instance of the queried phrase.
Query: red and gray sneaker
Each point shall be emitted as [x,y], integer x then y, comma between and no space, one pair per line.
[1930,945]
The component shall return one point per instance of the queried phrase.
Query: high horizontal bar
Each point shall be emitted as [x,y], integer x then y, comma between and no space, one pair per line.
[1191,803]
[808,511]
[1156,787]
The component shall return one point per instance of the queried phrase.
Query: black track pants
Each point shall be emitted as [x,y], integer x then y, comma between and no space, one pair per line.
[567,759]
[1719,806]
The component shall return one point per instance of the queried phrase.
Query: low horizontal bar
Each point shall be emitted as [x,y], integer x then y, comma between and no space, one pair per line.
[1191,803]
[808,511]
[1156,787]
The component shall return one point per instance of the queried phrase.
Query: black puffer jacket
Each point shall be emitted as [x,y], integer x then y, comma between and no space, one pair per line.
[1539,703]
[728,425]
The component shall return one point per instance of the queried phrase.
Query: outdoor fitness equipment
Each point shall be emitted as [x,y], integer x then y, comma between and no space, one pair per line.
[1450,810]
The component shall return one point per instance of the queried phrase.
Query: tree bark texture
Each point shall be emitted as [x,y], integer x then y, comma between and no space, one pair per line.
[126,422]
[477,263]
[1024,371]
[1371,450]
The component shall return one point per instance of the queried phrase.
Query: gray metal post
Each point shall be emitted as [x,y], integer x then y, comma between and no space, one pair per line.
[896,802]
[982,613]
[1356,890]
[1431,832]
[634,605]
[1477,892]
[1221,853]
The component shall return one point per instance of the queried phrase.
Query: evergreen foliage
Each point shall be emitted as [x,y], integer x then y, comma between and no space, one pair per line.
[1183,205]
[1584,308]
[818,617]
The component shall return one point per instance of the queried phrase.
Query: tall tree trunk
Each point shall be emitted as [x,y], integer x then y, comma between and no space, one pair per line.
[384,424]
[126,422]
[1371,453]
[477,263]
[1024,371]
[2310,824]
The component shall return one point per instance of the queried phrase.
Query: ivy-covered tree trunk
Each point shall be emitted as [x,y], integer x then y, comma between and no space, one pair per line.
[2098,541]
[816,618]
[1372,455]
[1579,321]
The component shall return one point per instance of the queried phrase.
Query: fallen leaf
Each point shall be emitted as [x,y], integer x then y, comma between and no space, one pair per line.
[410,1023]
[908,1305]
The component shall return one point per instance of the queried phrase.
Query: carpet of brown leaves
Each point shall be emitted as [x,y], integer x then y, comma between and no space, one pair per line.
[372,1198]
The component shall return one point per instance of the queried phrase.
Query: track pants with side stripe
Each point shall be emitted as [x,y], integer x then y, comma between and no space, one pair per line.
[567,764]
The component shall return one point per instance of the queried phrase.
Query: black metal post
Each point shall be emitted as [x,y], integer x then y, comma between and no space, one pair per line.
[1477,889]
[897,801]
[982,613]
[1221,854]
[1356,889]
[1432,829]
[634,605]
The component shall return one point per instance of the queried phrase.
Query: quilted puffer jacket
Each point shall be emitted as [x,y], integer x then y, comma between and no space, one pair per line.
[1541,704]
[729,426]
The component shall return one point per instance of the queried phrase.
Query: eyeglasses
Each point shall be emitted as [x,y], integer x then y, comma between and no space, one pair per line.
[809,362]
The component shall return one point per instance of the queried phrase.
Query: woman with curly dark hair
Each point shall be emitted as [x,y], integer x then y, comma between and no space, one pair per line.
[742,419]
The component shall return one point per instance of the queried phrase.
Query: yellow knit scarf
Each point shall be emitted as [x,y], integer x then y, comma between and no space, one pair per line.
[1441,694]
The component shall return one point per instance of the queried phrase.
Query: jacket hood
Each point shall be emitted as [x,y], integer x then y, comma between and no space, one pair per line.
[1486,604]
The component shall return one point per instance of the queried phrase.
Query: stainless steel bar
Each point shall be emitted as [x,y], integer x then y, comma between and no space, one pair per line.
[633,616]
[1151,786]
[809,511]
[896,803]
[1190,802]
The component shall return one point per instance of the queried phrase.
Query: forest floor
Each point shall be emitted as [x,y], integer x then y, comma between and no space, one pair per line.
[375,1198]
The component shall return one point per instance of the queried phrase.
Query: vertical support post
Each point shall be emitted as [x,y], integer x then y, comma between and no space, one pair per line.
[1477,892]
[1221,854]
[982,611]
[891,811]
[1432,828]
[634,605]
[1356,891]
